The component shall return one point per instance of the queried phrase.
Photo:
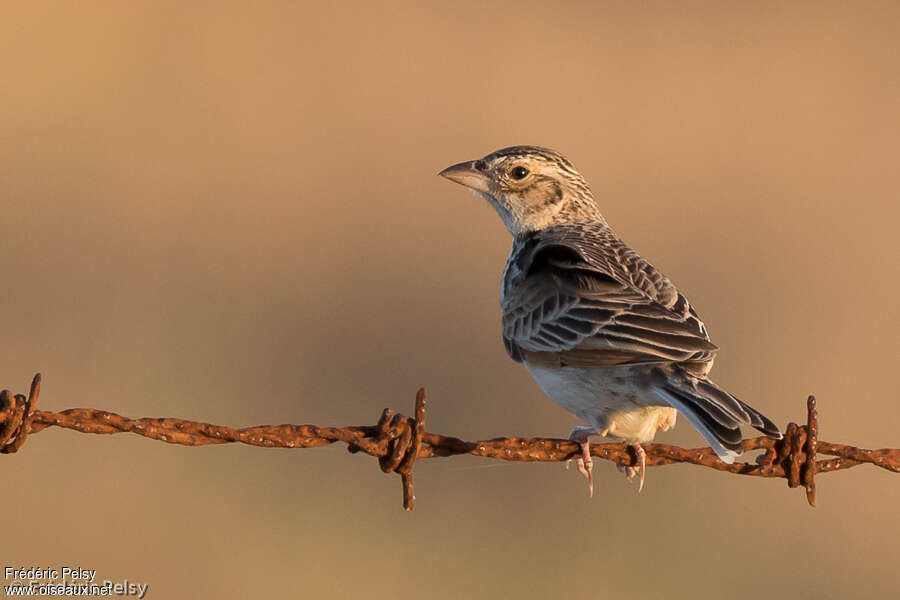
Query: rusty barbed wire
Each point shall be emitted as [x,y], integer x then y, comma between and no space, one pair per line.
[398,441]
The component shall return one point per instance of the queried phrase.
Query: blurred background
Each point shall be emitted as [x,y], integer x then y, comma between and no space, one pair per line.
[229,212]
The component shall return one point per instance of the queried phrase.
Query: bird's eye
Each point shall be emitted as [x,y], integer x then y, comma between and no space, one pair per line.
[519,173]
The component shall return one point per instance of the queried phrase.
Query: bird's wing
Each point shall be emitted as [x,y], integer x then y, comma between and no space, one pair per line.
[577,295]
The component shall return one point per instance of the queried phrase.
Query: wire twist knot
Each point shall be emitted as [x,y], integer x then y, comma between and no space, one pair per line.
[796,453]
[16,416]
[397,444]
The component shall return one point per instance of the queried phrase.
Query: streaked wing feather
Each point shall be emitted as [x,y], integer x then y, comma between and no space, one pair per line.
[580,294]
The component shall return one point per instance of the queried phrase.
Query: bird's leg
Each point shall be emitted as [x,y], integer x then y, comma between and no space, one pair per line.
[641,469]
[585,464]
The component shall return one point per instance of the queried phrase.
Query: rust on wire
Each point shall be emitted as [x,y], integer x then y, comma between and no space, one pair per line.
[398,441]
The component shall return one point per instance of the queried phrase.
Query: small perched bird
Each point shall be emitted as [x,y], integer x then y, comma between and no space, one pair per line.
[605,335]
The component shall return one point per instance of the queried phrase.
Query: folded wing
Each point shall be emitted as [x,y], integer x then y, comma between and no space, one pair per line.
[578,296]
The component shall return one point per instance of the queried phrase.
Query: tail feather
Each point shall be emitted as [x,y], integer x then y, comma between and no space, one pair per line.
[715,413]
[762,423]
[713,435]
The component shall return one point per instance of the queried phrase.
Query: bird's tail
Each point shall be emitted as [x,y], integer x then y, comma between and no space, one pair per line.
[715,413]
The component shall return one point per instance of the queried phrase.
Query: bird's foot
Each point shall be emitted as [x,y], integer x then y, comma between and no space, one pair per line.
[639,470]
[584,462]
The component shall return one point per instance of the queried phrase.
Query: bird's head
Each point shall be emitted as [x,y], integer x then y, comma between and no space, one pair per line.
[530,187]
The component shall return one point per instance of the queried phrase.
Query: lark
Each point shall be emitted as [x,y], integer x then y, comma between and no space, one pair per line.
[604,334]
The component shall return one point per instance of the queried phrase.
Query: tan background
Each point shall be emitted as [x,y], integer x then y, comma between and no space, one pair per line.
[230,214]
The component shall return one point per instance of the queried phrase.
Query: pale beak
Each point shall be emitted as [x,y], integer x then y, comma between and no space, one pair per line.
[468,174]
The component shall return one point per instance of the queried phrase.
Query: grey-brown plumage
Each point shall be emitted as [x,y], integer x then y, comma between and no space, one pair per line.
[605,334]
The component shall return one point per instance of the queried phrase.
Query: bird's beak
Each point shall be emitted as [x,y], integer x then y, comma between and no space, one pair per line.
[466,174]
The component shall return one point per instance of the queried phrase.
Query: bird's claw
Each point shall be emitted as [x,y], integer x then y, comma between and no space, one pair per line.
[585,466]
[639,470]
[584,462]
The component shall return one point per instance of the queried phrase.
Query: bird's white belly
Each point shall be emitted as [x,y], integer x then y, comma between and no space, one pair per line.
[609,399]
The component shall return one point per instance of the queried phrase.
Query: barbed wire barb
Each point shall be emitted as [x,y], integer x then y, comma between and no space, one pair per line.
[398,442]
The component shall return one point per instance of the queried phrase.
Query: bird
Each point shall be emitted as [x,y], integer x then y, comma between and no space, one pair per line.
[605,335]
